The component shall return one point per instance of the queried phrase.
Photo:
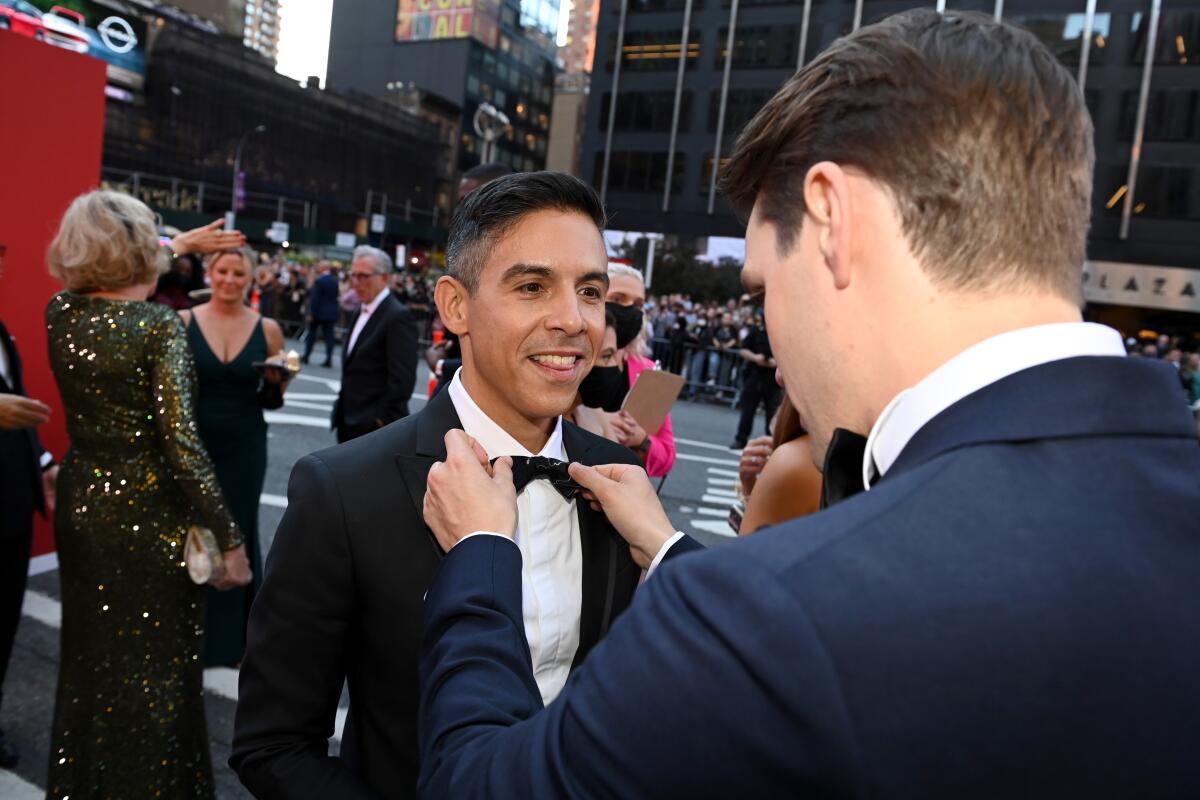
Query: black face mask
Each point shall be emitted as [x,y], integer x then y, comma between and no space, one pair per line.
[604,388]
[629,322]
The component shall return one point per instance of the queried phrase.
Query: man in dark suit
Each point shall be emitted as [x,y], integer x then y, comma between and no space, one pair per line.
[1009,610]
[322,312]
[352,558]
[379,364]
[27,474]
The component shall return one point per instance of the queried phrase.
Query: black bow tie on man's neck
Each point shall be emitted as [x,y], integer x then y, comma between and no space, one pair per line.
[531,468]
[843,471]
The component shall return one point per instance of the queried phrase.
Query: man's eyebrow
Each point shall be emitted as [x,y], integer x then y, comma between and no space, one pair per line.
[526,271]
[600,276]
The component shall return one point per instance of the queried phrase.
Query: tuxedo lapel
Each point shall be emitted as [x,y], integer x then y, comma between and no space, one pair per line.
[346,344]
[12,386]
[600,560]
[368,329]
[435,419]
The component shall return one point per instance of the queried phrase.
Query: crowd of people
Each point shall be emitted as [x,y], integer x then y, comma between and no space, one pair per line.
[1002,572]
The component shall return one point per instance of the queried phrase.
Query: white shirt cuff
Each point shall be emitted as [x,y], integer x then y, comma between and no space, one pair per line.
[662,552]
[47,459]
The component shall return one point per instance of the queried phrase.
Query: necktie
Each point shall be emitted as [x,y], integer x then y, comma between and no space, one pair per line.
[843,471]
[532,468]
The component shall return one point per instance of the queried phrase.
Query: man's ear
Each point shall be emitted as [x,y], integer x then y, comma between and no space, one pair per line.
[451,299]
[827,208]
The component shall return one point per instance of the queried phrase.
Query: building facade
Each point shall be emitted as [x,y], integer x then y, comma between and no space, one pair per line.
[255,22]
[653,132]
[467,53]
[579,50]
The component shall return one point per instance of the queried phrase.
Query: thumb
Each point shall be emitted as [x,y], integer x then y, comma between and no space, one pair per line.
[216,223]
[590,478]
[502,471]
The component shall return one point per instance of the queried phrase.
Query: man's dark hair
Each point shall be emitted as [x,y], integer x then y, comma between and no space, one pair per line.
[485,173]
[981,137]
[486,215]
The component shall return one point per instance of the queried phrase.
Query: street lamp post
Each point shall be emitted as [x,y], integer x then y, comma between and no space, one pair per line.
[489,122]
[237,168]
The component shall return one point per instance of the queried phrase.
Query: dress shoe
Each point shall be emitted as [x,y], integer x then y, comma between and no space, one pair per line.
[327,364]
[304,359]
[8,753]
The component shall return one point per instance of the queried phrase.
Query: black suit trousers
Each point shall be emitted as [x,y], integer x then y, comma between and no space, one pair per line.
[758,388]
[16,540]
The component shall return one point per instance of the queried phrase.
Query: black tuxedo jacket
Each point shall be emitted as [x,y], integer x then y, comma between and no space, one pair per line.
[379,373]
[20,454]
[342,602]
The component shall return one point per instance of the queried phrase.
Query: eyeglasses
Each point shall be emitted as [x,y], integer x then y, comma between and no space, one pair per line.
[362,276]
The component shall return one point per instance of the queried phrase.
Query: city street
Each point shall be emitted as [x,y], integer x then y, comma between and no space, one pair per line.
[697,495]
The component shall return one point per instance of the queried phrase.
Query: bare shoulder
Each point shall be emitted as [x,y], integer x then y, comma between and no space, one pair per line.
[185,314]
[274,334]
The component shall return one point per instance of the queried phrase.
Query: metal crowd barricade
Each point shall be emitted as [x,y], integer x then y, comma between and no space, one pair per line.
[710,374]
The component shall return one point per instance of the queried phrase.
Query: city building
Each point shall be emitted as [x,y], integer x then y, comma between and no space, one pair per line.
[494,60]
[255,22]
[579,50]
[653,132]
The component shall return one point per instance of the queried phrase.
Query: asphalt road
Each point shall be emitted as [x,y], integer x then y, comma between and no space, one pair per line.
[696,494]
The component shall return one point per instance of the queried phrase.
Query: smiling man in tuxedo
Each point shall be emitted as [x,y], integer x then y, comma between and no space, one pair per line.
[352,559]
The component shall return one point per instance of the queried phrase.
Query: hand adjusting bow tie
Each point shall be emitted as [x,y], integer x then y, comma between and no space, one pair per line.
[842,475]
[531,468]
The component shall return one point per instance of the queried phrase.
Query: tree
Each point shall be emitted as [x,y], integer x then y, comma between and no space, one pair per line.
[677,270]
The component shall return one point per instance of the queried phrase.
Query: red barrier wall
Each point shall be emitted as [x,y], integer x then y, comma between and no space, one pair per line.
[51,137]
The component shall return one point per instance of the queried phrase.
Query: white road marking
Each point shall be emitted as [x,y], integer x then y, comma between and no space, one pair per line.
[713,512]
[717,500]
[44,563]
[289,403]
[44,608]
[720,462]
[724,473]
[707,445]
[274,500]
[222,681]
[713,526]
[277,418]
[334,386]
[308,396]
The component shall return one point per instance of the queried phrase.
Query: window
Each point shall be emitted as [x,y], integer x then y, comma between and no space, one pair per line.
[1178,39]
[770,47]
[1172,115]
[646,51]
[641,172]
[1168,193]
[740,107]
[1063,34]
[706,171]
[658,5]
[472,85]
[646,111]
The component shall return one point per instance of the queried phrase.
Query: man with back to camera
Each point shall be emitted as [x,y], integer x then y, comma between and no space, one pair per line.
[1007,608]
[322,312]
[379,363]
[349,566]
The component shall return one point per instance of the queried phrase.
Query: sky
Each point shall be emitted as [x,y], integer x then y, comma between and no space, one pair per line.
[304,38]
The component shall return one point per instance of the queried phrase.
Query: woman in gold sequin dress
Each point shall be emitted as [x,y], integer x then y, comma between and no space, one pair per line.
[129,713]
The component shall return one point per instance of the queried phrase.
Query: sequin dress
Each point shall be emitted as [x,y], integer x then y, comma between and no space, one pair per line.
[129,713]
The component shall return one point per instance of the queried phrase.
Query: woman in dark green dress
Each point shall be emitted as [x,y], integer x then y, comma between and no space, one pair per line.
[227,338]
[129,712]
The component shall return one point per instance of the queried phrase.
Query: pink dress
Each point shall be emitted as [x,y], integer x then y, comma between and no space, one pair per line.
[661,457]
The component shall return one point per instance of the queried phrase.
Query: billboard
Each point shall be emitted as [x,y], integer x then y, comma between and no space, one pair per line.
[105,29]
[426,20]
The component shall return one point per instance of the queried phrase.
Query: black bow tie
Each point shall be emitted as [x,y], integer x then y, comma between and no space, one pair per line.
[532,468]
[843,471]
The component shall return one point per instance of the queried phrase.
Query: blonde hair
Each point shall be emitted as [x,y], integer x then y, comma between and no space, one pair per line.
[616,268]
[106,241]
[248,255]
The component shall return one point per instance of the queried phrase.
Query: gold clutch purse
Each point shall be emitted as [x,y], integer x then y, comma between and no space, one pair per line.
[205,562]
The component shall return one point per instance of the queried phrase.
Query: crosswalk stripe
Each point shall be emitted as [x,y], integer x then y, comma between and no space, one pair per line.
[717,500]
[289,403]
[43,608]
[720,462]
[724,473]
[707,445]
[276,418]
[222,681]
[334,386]
[14,787]
[308,396]
[727,494]
[712,512]
[720,528]
[274,500]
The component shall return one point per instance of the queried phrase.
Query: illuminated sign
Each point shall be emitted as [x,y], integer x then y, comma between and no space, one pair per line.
[1173,288]
[117,34]
[426,20]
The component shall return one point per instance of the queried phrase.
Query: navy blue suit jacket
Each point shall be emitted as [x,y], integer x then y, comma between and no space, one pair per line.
[1012,611]
[323,299]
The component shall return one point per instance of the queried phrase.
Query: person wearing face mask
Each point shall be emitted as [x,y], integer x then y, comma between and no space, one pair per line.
[605,387]
[226,339]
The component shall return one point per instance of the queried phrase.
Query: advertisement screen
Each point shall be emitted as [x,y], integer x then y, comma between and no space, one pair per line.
[423,20]
[105,29]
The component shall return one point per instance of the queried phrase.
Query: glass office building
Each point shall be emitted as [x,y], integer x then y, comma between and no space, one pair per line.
[652,151]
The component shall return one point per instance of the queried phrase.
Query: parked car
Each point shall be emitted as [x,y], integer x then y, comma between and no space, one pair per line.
[22,19]
[66,28]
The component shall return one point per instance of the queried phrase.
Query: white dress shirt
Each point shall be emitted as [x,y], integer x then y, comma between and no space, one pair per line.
[364,315]
[5,369]
[551,554]
[973,369]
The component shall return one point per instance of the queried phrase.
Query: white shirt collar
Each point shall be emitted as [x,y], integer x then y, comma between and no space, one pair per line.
[369,308]
[494,439]
[974,368]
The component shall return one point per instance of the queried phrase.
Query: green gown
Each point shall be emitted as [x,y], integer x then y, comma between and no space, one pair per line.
[129,712]
[231,425]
